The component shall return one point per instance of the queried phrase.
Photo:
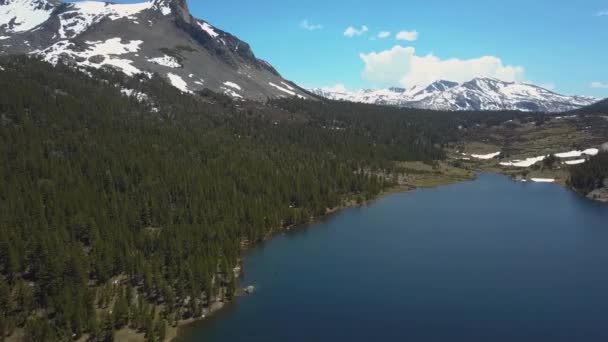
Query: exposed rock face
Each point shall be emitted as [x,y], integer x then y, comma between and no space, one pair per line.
[158,36]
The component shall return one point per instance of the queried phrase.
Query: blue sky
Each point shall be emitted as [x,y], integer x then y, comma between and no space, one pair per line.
[561,44]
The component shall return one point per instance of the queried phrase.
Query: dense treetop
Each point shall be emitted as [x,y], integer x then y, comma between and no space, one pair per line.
[113,204]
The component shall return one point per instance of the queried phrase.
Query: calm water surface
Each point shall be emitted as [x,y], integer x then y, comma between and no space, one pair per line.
[489,260]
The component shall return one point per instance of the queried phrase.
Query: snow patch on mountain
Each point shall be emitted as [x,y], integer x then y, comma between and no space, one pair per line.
[168,61]
[576,162]
[288,86]
[232,85]
[113,46]
[576,154]
[287,91]
[486,156]
[23,15]
[163,7]
[96,55]
[524,163]
[209,29]
[178,82]
[84,14]
[139,96]
[231,92]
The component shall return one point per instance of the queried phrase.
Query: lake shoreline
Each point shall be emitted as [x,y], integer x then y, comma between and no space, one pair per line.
[427,183]
[460,236]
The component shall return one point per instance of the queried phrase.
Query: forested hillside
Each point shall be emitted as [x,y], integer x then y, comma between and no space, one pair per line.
[132,211]
[591,175]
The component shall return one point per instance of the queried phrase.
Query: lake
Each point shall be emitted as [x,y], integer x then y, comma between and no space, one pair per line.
[487,260]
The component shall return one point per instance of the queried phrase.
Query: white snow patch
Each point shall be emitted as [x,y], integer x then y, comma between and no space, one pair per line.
[168,61]
[288,86]
[571,154]
[209,29]
[4,37]
[165,9]
[1,68]
[565,117]
[524,163]
[287,91]
[141,97]
[232,85]
[24,15]
[178,82]
[108,49]
[575,162]
[543,180]
[591,151]
[576,154]
[485,156]
[84,14]
[231,92]
[113,46]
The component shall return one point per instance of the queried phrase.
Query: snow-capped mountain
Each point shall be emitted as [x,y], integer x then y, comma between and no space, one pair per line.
[157,36]
[483,93]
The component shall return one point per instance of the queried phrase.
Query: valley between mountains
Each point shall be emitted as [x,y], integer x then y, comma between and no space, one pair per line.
[142,150]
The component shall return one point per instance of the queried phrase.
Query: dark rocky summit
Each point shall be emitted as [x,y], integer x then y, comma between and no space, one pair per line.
[158,36]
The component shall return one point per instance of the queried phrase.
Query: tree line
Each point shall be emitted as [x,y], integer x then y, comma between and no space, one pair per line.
[118,212]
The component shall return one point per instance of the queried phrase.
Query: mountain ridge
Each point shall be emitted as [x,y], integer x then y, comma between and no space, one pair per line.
[481,93]
[156,36]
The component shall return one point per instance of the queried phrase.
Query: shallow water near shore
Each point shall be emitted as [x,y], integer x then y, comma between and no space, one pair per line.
[486,260]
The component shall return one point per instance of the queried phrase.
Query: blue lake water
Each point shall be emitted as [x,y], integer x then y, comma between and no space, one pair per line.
[487,260]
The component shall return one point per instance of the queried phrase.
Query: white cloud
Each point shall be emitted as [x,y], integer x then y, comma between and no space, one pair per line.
[599,85]
[384,34]
[401,66]
[352,32]
[409,36]
[602,13]
[308,26]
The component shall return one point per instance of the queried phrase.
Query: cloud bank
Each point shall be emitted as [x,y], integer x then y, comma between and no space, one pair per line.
[351,32]
[409,36]
[401,66]
[308,26]
[384,34]
[599,85]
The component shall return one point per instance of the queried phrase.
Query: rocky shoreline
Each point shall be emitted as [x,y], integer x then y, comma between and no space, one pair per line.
[600,195]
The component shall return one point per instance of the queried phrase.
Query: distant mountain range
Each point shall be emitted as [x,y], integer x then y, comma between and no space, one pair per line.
[162,37]
[483,93]
[158,36]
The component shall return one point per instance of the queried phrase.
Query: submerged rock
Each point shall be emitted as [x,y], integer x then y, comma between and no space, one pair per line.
[249,289]
[599,195]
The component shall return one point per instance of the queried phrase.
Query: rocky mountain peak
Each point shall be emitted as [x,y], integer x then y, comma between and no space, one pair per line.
[179,8]
[442,85]
[153,36]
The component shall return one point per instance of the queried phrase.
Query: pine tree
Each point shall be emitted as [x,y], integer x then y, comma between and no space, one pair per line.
[120,311]
[150,336]
[161,330]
